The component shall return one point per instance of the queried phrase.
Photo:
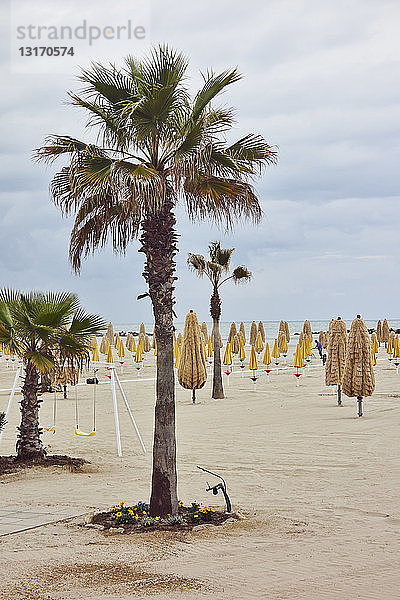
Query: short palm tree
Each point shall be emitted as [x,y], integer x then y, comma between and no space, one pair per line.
[217,271]
[155,146]
[46,330]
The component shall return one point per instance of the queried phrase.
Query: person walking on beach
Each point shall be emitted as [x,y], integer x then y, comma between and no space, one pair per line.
[318,345]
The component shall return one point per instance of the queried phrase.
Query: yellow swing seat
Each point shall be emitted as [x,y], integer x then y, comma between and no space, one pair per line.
[51,429]
[84,434]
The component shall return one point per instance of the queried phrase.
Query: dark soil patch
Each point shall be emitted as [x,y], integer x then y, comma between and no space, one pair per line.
[11,464]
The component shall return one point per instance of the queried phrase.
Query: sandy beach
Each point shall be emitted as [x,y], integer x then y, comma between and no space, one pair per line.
[317,487]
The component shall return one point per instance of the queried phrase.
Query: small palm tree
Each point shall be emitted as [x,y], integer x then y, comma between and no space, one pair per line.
[217,271]
[156,145]
[46,330]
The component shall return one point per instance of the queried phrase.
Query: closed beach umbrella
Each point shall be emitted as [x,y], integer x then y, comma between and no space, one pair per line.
[109,358]
[192,372]
[284,346]
[385,331]
[178,356]
[146,343]
[301,338]
[267,360]
[287,332]
[132,346]
[232,332]
[396,353]
[275,352]
[235,344]
[389,349]
[95,355]
[138,358]
[179,339]
[142,329]
[204,331]
[259,343]
[241,353]
[358,378]
[298,363]
[253,363]
[253,333]
[210,350]
[121,350]
[110,334]
[261,331]
[242,332]
[228,355]
[309,346]
[374,343]
[334,368]
[253,360]
[116,341]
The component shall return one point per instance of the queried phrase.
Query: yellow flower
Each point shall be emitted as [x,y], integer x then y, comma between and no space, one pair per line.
[119,514]
[130,512]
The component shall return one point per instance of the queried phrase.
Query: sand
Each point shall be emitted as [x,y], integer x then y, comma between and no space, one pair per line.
[319,490]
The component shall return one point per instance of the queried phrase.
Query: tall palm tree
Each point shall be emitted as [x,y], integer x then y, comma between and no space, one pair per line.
[217,271]
[155,146]
[46,330]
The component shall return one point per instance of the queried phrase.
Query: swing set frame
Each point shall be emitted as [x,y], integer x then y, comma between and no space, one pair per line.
[114,382]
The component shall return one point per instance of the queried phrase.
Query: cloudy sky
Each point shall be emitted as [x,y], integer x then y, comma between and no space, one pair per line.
[320,82]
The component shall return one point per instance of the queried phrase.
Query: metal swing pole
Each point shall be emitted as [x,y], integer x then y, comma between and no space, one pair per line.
[128,408]
[11,398]
[116,418]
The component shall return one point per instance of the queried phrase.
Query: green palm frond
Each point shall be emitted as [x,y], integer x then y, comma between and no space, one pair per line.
[213,85]
[39,327]
[156,145]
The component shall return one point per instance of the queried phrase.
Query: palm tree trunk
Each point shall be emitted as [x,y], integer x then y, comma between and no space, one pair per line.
[215,310]
[29,444]
[159,245]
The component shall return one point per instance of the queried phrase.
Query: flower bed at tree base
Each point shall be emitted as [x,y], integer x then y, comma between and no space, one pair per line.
[12,464]
[136,518]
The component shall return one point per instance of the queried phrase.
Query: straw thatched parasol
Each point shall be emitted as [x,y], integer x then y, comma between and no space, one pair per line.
[261,331]
[65,375]
[307,328]
[235,344]
[287,332]
[110,334]
[242,332]
[253,333]
[232,332]
[358,378]
[385,331]
[204,331]
[179,339]
[192,372]
[379,331]
[334,368]
[104,344]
